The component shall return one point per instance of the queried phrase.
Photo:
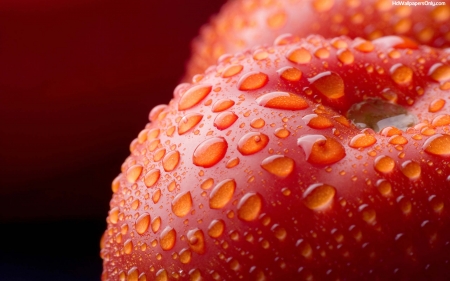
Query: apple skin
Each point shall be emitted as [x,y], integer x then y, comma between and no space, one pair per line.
[74,78]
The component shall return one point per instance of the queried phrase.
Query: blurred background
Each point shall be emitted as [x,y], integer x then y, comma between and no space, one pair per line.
[77,81]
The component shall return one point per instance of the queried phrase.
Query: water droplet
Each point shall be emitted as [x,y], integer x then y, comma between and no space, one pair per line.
[318,196]
[321,150]
[368,214]
[185,256]
[440,72]
[323,5]
[329,84]
[397,42]
[195,275]
[188,122]
[224,120]
[401,74]
[216,228]
[299,56]
[222,105]
[364,46]
[196,240]
[128,246]
[398,140]
[142,223]
[279,232]
[252,143]
[441,120]
[402,26]
[362,141]
[405,205]
[384,187]
[290,74]
[232,70]
[436,203]
[282,100]
[114,215]
[233,264]
[156,196]
[257,123]
[116,184]
[411,169]
[133,274]
[162,275]
[252,81]
[167,238]
[438,145]
[154,113]
[260,54]
[222,194]
[384,164]
[345,56]
[339,43]
[278,165]
[193,96]
[304,248]
[171,160]
[210,152]
[285,39]
[317,122]
[282,133]
[277,20]
[182,204]
[322,53]
[249,206]
[133,173]
[156,224]
[257,274]
[441,13]
[151,177]
[436,105]
[233,162]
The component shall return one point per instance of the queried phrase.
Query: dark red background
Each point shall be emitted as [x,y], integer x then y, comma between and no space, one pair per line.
[77,81]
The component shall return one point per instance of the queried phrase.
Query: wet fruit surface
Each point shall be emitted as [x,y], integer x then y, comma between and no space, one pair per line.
[266,179]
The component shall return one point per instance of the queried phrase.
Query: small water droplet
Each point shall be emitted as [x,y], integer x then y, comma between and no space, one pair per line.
[210,152]
[438,145]
[257,123]
[232,70]
[188,122]
[299,56]
[321,150]
[182,204]
[142,223]
[156,196]
[162,275]
[252,143]
[384,164]
[436,105]
[290,74]
[282,133]
[398,140]
[304,248]
[329,84]
[397,42]
[249,206]
[193,96]
[368,214]
[345,56]
[405,205]
[222,194]
[278,165]
[128,246]
[318,196]
[401,74]
[216,228]
[233,162]
[384,187]
[151,177]
[196,240]
[222,105]
[282,100]
[252,81]
[411,169]
[156,224]
[436,203]
[133,173]
[364,46]
[440,72]
[224,120]
[171,160]
[279,232]
[317,121]
[362,141]
[114,215]
[167,238]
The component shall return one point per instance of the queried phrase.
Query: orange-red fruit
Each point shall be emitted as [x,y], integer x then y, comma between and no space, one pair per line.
[264,178]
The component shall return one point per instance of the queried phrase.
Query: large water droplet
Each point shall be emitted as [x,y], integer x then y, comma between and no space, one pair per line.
[222,105]
[436,105]
[345,56]
[249,206]
[318,196]
[182,204]
[224,120]
[329,84]
[384,164]
[222,194]
[438,145]
[133,173]
[368,214]
[290,74]
[252,143]
[151,177]
[216,228]
[252,81]
[188,122]
[299,56]
[171,160]
[411,169]
[193,96]
[278,165]
[185,256]
[162,275]
[210,152]
[167,238]
[401,74]
[282,100]
[133,274]
[196,240]
[142,223]
[321,150]
[362,141]
[317,122]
